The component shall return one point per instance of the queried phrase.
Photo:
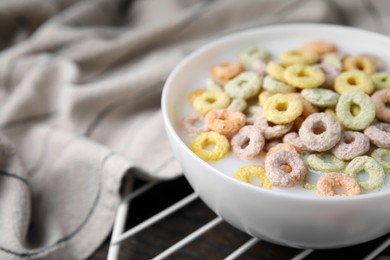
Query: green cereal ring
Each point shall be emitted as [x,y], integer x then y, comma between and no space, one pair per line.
[237,104]
[304,76]
[379,155]
[376,174]
[210,100]
[276,86]
[282,108]
[276,70]
[245,85]
[325,162]
[212,85]
[299,57]
[343,110]
[200,143]
[321,97]
[381,80]
[251,54]
[353,80]
[334,60]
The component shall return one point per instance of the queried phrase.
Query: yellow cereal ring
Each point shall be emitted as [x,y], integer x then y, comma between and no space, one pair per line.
[304,76]
[299,57]
[210,100]
[200,143]
[360,63]
[321,47]
[264,96]
[282,108]
[381,80]
[254,174]
[194,94]
[353,80]
[276,70]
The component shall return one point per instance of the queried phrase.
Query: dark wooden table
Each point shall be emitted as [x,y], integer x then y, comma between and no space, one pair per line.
[217,243]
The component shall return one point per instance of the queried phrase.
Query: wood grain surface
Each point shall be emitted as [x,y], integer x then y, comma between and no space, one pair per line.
[217,243]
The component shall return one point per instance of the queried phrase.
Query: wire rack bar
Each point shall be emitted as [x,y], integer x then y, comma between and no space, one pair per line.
[197,233]
[302,254]
[378,250]
[242,249]
[178,205]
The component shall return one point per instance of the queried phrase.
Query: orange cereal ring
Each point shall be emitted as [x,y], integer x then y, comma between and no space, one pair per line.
[381,99]
[327,184]
[226,71]
[194,94]
[320,47]
[360,63]
[298,122]
[308,108]
[225,121]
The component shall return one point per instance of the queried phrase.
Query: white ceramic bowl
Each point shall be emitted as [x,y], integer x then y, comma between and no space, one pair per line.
[288,219]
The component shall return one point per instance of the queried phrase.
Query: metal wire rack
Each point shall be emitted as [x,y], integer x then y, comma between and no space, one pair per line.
[119,234]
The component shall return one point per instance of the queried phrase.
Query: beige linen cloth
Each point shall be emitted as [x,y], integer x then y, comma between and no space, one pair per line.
[80,84]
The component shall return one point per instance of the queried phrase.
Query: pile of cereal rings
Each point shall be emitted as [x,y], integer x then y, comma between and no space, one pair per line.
[313,109]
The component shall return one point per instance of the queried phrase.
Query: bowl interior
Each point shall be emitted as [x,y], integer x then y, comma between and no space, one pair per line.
[193,71]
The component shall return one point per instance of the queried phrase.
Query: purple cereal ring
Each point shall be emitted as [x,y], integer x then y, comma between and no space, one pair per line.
[379,134]
[351,145]
[271,131]
[320,132]
[294,139]
[190,124]
[380,99]
[331,72]
[247,143]
[275,166]
[260,67]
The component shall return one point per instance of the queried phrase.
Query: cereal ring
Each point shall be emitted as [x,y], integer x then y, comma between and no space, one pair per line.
[353,80]
[308,108]
[325,162]
[330,72]
[320,47]
[264,95]
[376,174]
[201,142]
[210,100]
[327,184]
[381,101]
[321,97]
[379,155]
[360,63]
[260,67]
[379,134]
[245,85]
[361,120]
[194,94]
[282,108]
[379,62]
[212,85]
[304,76]
[252,113]
[381,80]
[299,57]
[271,131]
[333,60]
[251,54]
[276,70]
[276,86]
[275,163]
[224,121]
[226,71]
[253,174]
[190,124]
[237,104]
[294,139]
[351,145]
[320,132]
[247,143]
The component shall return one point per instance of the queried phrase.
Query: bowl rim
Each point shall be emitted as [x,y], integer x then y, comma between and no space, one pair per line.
[232,36]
